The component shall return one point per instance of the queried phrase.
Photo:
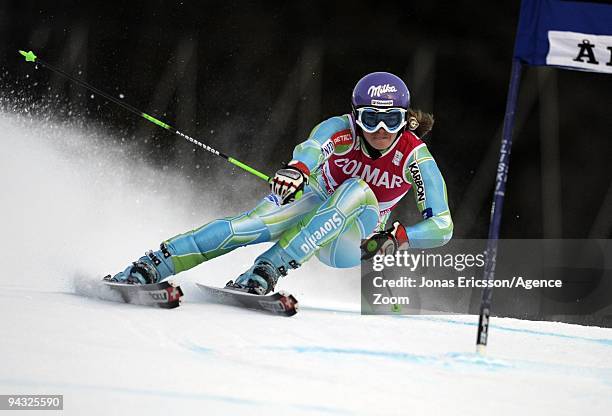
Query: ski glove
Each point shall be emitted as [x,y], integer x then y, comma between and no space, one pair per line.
[288,183]
[385,242]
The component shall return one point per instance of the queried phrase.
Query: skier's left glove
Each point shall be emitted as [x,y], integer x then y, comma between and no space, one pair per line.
[385,242]
[288,183]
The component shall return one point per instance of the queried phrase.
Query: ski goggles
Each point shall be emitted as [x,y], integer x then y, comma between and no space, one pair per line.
[370,119]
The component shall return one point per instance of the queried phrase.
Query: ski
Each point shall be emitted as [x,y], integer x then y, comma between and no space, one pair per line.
[278,303]
[162,295]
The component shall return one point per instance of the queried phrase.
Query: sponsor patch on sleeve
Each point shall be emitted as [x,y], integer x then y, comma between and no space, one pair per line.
[342,138]
[427,213]
[417,181]
[327,148]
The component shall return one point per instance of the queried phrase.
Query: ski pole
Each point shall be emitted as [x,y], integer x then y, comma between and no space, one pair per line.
[31,57]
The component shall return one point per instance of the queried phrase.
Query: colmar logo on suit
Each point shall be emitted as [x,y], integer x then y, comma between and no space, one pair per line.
[373,176]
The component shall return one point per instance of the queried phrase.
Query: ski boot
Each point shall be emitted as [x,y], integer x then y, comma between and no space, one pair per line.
[151,268]
[262,277]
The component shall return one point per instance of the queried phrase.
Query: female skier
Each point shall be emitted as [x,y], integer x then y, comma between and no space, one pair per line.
[338,190]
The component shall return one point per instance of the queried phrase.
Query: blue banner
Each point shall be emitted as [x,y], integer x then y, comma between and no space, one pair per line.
[570,34]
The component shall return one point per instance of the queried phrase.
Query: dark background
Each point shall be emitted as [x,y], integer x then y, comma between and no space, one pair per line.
[252,78]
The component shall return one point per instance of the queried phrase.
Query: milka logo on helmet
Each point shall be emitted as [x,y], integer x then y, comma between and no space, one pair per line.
[313,239]
[418,181]
[378,90]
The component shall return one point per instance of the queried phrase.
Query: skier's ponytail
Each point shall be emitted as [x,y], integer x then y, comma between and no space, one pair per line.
[420,122]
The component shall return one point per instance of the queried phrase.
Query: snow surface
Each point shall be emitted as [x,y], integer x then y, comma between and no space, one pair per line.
[75,207]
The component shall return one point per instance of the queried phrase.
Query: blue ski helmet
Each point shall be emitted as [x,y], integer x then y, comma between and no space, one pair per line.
[381,90]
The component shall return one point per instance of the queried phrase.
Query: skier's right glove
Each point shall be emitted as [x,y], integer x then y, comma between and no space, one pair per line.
[385,242]
[288,183]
